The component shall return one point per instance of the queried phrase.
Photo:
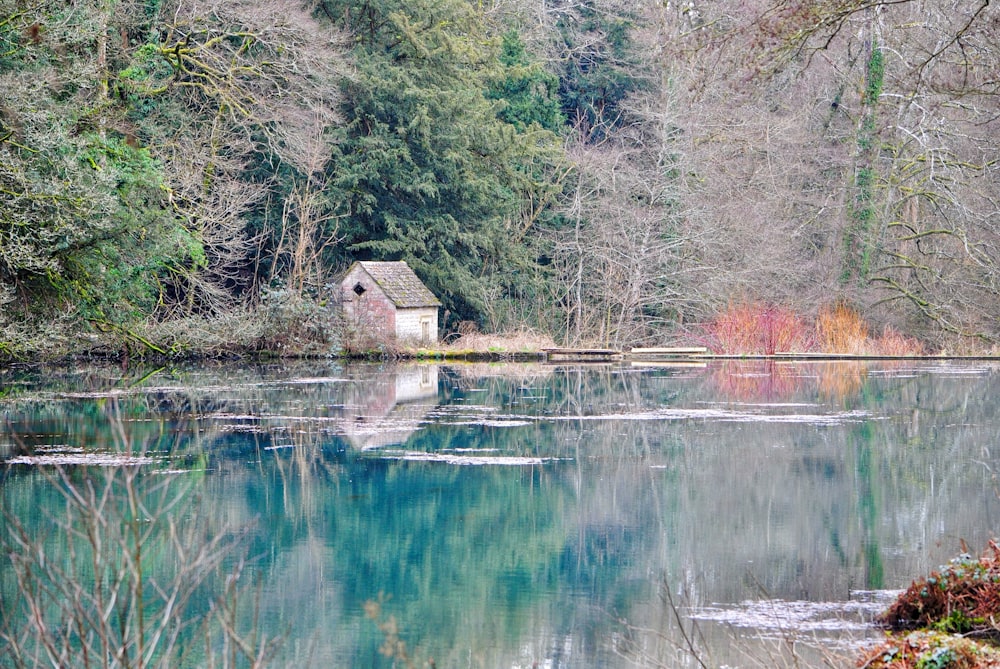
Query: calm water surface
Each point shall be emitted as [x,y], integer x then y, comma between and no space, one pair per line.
[549,516]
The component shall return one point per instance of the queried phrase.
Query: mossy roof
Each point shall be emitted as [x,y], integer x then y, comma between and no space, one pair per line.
[400,284]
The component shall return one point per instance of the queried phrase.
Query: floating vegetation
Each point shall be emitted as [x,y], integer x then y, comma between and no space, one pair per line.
[953,370]
[83,459]
[463,410]
[801,617]
[777,405]
[313,380]
[494,423]
[106,394]
[466,460]
[724,415]
[246,429]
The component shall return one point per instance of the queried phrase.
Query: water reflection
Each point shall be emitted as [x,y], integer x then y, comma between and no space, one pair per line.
[604,499]
[387,407]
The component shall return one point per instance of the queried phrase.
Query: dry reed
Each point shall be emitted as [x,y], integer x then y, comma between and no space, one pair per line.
[840,329]
[892,343]
[523,341]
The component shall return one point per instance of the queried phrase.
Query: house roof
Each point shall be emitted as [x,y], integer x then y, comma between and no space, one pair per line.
[400,284]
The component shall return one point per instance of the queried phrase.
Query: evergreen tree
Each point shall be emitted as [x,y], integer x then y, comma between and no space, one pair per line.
[430,170]
[529,93]
[85,223]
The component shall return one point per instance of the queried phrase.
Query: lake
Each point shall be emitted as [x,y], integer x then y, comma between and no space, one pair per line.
[736,513]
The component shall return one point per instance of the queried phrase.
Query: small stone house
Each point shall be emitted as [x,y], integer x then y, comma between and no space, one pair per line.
[388,300]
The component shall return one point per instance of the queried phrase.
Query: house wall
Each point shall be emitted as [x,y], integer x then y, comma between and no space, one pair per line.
[416,382]
[372,310]
[410,324]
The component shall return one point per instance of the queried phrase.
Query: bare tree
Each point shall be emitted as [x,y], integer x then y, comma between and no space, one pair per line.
[308,222]
[628,262]
[846,148]
[258,81]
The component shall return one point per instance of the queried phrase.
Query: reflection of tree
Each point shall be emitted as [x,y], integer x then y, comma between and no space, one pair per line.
[462,556]
[770,380]
[756,380]
[868,512]
[488,561]
[108,566]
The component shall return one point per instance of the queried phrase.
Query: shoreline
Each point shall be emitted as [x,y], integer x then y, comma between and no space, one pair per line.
[552,356]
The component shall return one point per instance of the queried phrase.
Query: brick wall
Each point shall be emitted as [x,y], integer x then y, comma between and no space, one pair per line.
[371,310]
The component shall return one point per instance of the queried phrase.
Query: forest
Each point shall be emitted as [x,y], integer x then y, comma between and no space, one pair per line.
[190,176]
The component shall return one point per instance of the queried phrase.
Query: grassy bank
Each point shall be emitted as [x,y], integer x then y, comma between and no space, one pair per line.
[286,325]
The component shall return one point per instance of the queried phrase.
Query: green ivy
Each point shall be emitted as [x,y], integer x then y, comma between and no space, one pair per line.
[859,237]
[875,76]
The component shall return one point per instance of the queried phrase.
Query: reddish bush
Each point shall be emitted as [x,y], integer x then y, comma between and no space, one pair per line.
[757,328]
[952,604]
[961,597]
[895,344]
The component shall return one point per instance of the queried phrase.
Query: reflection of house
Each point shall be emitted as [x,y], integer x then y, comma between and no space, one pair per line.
[386,409]
[389,300]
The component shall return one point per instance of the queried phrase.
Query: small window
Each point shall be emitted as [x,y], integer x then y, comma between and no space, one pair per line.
[359,290]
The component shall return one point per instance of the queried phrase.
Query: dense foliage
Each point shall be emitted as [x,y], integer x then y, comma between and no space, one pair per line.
[602,171]
[428,167]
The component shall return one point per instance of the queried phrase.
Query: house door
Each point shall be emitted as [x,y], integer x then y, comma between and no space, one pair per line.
[425,330]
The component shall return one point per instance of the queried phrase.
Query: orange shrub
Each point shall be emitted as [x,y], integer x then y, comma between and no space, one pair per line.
[840,329]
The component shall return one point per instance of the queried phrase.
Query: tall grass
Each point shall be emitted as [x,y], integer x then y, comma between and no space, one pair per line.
[892,343]
[521,341]
[840,329]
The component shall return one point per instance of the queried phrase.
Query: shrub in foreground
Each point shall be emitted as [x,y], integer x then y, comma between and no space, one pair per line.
[130,573]
[930,650]
[962,597]
[947,608]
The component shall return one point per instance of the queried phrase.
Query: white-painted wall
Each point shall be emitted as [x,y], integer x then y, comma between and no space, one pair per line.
[409,324]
